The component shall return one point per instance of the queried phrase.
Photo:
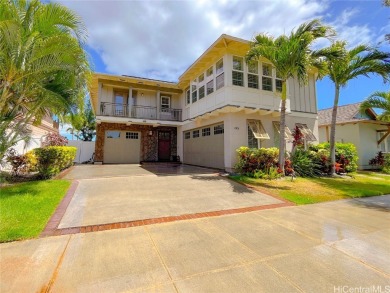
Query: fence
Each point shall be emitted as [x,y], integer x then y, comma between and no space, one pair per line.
[85,150]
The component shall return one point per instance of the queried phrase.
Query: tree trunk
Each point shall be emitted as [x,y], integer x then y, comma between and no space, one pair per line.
[282,127]
[332,141]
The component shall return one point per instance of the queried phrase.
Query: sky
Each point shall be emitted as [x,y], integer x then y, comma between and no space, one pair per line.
[161,39]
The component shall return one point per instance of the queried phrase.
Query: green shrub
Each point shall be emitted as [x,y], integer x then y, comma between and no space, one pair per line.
[32,161]
[346,157]
[258,163]
[53,159]
[386,164]
[305,164]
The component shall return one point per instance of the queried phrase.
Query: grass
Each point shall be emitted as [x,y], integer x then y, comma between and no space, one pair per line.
[25,208]
[314,190]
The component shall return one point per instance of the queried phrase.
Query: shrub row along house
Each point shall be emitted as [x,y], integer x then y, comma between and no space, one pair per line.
[219,104]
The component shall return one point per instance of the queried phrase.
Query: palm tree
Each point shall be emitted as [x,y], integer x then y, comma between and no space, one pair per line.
[292,57]
[83,123]
[359,61]
[43,66]
[378,100]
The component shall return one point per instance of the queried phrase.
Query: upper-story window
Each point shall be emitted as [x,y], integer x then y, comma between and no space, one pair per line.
[201,77]
[194,93]
[220,81]
[120,107]
[201,92]
[165,103]
[238,71]
[278,83]
[267,77]
[219,67]
[253,75]
[210,87]
[210,71]
[188,96]
[384,146]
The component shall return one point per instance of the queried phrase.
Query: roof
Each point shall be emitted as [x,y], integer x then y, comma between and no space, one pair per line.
[345,114]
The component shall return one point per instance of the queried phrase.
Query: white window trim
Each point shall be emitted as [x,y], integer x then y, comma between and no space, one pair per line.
[287,132]
[161,103]
[307,133]
[258,129]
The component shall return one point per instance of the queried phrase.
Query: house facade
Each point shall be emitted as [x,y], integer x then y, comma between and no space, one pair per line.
[363,130]
[219,104]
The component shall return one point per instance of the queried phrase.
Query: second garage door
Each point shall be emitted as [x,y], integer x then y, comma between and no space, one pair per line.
[205,146]
[122,147]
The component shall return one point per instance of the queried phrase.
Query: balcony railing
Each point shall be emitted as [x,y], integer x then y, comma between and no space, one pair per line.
[141,112]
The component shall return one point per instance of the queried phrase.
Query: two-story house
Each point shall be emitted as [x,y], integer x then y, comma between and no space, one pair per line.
[219,104]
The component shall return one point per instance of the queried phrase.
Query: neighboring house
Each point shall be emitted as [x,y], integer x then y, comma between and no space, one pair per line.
[38,132]
[219,104]
[363,130]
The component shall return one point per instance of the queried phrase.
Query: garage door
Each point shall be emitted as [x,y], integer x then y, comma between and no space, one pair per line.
[122,147]
[205,146]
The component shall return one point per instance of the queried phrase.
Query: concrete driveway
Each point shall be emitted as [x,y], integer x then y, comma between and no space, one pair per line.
[329,247]
[122,193]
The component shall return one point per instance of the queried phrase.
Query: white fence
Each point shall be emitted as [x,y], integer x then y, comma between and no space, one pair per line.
[85,150]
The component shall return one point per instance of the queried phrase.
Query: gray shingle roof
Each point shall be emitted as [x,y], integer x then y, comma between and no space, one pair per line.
[345,114]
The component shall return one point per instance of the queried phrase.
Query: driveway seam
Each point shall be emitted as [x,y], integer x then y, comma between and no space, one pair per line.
[53,278]
[161,258]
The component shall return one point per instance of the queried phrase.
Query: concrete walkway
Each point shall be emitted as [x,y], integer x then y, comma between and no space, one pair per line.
[313,248]
[123,193]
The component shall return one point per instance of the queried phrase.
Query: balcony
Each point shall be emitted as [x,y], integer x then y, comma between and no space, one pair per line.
[140,112]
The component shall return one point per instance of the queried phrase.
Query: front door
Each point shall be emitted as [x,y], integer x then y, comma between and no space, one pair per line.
[164,146]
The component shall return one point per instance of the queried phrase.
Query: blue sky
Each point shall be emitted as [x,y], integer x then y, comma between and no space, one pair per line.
[160,39]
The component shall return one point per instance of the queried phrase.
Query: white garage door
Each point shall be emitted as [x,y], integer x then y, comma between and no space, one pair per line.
[122,147]
[205,146]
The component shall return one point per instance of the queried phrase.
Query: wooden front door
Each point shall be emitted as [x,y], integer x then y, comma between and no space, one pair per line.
[164,146]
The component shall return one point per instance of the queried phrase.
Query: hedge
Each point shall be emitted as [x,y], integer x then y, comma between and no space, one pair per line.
[53,159]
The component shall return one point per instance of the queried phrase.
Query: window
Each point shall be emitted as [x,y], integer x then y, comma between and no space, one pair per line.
[113,134]
[201,92]
[287,133]
[187,135]
[201,77]
[218,129]
[267,78]
[308,134]
[238,63]
[194,94]
[120,104]
[238,74]
[278,83]
[238,78]
[210,71]
[219,67]
[165,103]
[220,81]
[253,142]
[188,96]
[384,146]
[258,130]
[253,81]
[131,135]
[210,87]
[253,67]
[206,131]
[195,133]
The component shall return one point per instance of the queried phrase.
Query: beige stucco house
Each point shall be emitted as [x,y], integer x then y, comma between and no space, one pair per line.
[218,104]
[363,130]
[38,133]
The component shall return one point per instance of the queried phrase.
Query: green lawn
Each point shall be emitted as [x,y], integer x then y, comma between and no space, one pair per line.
[313,190]
[25,208]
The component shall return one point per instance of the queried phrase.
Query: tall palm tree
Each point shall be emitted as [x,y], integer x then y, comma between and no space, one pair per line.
[361,60]
[292,57]
[43,66]
[378,100]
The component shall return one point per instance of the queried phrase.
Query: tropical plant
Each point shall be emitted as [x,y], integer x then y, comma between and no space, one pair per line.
[361,60]
[304,163]
[54,139]
[43,66]
[83,123]
[378,100]
[292,57]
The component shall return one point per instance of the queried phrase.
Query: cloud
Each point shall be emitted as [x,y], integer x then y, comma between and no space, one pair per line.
[160,39]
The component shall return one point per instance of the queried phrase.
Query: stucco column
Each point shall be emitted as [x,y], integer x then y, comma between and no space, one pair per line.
[130,102]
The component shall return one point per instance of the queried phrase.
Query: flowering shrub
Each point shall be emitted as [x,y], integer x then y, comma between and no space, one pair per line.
[298,137]
[54,139]
[382,161]
[21,164]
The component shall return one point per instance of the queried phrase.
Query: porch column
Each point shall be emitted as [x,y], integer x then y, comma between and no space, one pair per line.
[130,102]
[158,104]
